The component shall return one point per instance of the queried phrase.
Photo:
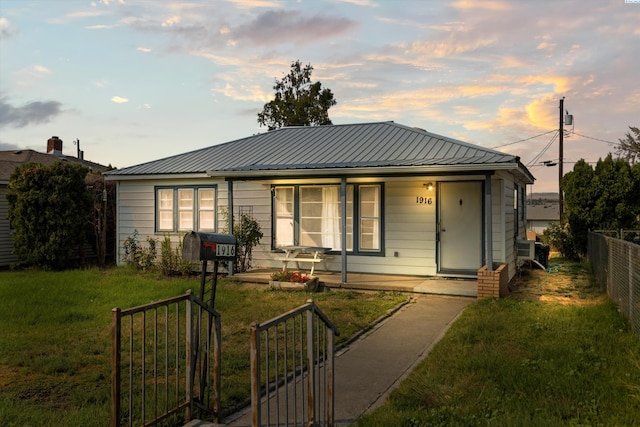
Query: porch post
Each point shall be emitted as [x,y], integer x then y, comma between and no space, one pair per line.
[343,226]
[488,221]
[230,219]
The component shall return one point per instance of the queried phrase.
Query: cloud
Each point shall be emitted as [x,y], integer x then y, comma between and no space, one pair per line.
[486,5]
[368,3]
[285,26]
[27,76]
[171,21]
[99,27]
[108,2]
[87,14]
[248,4]
[30,114]
[6,29]
[119,100]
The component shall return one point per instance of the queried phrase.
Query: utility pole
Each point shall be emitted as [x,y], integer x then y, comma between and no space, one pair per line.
[561,138]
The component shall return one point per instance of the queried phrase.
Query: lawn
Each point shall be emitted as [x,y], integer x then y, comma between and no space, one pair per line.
[55,339]
[555,353]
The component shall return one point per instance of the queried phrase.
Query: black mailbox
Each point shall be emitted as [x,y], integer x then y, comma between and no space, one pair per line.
[197,246]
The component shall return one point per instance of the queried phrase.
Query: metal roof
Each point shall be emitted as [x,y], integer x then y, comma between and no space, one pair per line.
[332,147]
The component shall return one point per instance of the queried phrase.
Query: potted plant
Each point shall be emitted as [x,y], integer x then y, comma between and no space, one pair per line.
[293,280]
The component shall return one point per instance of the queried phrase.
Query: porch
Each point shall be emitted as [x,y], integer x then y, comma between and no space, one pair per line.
[380,282]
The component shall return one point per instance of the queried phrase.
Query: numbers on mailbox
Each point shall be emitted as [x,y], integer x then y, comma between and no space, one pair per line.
[225,250]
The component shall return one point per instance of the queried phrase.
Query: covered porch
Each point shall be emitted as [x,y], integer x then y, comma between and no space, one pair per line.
[379,282]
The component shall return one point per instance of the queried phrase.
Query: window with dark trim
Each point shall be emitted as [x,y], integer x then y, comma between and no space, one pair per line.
[185,208]
[516,205]
[311,215]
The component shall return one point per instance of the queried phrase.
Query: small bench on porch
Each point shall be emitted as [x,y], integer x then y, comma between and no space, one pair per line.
[303,254]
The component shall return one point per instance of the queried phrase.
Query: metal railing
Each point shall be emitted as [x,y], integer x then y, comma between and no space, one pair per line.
[292,369]
[165,363]
[615,264]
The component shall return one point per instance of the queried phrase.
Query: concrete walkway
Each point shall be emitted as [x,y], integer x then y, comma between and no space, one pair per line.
[369,368]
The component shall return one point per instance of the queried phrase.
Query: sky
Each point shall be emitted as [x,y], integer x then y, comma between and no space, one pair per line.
[140,80]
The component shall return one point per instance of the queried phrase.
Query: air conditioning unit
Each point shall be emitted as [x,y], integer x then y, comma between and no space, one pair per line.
[526,249]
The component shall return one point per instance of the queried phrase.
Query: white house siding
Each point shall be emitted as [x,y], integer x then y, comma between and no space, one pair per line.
[409,231]
[256,195]
[6,245]
[136,208]
[498,219]
[409,228]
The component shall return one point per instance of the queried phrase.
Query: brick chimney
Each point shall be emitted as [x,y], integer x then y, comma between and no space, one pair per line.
[54,146]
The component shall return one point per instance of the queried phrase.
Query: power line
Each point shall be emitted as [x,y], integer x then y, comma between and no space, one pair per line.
[595,139]
[544,150]
[522,140]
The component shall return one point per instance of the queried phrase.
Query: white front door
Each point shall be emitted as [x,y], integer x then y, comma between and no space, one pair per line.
[460,227]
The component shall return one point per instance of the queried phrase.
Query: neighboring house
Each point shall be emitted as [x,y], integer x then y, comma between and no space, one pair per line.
[416,203]
[9,160]
[541,217]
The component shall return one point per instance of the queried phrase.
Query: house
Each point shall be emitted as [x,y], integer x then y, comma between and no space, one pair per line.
[385,198]
[542,216]
[9,160]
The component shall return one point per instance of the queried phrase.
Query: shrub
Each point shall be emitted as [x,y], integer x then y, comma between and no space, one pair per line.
[136,254]
[171,262]
[48,209]
[560,238]
[248,234]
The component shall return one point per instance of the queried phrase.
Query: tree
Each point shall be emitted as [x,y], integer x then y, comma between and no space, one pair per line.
[101,216]
[629,147]
[298,101]
[602,198]
[48,209]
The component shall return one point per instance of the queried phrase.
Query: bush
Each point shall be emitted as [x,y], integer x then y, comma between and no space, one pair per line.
[48,210]
[171,262]
[136,254]
[559,237]
[248,234]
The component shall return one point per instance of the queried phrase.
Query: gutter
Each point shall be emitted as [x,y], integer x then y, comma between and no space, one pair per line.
[363,171]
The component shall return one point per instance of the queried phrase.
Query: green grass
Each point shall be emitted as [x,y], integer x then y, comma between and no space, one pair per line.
[55,342]
[522,362]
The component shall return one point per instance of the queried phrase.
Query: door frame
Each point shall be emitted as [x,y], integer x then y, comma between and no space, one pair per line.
[471,272]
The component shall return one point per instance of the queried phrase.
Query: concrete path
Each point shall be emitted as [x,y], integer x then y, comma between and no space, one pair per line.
[369,368]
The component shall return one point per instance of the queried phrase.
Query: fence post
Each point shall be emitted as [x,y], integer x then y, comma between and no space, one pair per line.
[190,358]
[256,416]
[217,358]
[330,378]
[311,377]
[630,287]
[115,367]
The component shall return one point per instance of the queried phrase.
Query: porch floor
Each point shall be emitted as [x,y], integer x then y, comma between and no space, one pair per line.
[380,282]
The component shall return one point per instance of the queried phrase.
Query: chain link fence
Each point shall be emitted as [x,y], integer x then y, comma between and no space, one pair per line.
[615,264]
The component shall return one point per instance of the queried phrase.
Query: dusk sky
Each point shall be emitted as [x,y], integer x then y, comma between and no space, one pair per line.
[139,80]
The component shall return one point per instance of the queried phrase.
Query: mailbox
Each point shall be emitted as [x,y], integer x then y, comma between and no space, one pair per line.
[198,246]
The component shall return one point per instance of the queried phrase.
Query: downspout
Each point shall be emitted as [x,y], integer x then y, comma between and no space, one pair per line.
[488,222]
[343,225]
[230,217]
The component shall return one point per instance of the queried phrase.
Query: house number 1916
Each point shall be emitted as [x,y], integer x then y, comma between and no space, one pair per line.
[424,200]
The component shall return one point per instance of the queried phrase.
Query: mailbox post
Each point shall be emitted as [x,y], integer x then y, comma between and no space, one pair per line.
[205,247]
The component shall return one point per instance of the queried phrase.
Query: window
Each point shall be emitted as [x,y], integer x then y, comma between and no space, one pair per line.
[370,218]
[515,210]
[311,215]
[185,209]
[284,216]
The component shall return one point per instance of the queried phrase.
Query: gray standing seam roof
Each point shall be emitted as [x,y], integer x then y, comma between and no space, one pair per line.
[385,144]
